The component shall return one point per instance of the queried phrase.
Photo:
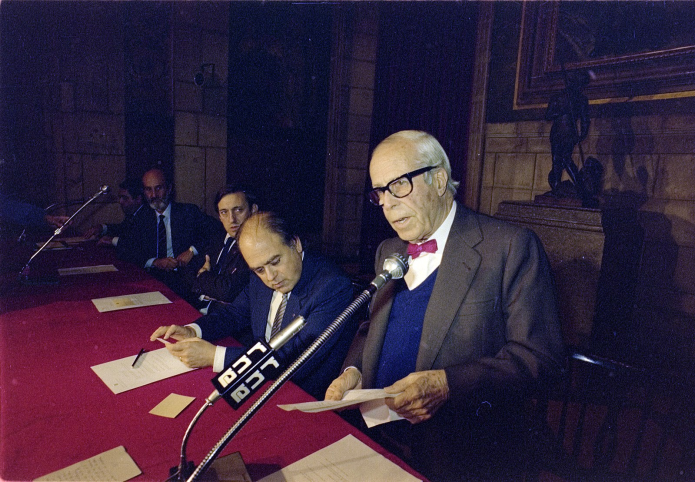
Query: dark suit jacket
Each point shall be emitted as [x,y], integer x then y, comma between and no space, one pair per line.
[189,227]
[491,324]
[233,276]
[321,294]
[122,228]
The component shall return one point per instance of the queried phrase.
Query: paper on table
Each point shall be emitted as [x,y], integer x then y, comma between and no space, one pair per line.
[371,401]
[124,302]
[101,268]
[153,366]
[62,243]
[112,465]
[346,460]
[172,405]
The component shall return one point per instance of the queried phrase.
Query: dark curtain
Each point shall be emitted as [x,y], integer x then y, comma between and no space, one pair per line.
[279,66]
[424,67]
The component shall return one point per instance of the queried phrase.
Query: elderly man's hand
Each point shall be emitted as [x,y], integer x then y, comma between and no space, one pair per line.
[193,352]
[105,241]
[184,258]
[350,379]
[173,331]
[166,264]
[421,394]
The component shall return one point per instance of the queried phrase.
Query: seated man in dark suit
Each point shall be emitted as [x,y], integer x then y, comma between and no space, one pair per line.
[167,235]
[225,272]
[466,336]
[290,282]
[131,202]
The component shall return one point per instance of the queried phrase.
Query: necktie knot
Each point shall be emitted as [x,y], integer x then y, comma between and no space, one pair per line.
[415,250]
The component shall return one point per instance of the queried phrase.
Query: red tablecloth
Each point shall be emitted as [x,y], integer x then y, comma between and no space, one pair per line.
[55,411]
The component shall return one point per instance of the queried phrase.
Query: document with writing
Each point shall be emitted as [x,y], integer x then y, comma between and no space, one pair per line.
[346,460]
[124,302]
[153,366]
[101,268]
[113,465]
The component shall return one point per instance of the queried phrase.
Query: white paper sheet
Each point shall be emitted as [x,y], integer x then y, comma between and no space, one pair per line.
[153,366]
[371,402]
[101,268]
[346,460]
[112,465]
[125,302]
[350,398]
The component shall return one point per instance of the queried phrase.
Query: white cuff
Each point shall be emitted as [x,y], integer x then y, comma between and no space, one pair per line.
[218,364]
[196,328]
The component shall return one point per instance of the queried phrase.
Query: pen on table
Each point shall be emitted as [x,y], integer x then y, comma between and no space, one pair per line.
[142,350]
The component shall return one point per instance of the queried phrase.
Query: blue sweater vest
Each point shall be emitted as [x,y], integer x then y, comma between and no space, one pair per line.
[402,341]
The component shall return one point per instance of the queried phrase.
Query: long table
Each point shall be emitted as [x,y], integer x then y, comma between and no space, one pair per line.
[55,411]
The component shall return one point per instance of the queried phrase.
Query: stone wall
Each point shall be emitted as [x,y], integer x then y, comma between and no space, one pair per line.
[649,164]
[352,97]
[201,36]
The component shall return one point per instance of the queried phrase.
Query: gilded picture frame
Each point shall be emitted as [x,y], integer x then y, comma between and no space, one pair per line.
[635,51]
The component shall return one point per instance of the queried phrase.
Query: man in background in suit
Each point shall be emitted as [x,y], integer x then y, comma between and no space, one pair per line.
[167,235]
[290,282]
[468,334]
[130,200]
[225,272]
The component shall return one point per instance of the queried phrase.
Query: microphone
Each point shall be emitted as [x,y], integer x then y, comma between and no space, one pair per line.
[245,375]
[24,274]
[395,267]
[238,381]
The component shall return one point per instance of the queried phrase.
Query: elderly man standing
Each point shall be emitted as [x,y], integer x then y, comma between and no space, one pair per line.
[290,282]
[469,332]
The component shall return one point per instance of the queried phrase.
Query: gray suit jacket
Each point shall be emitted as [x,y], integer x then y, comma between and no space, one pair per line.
[492,320]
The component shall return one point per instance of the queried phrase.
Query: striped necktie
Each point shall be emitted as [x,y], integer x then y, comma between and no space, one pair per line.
[277,322]
[224,255]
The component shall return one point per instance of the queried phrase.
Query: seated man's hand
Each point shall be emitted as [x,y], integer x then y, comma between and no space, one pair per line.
[105,241]
[173,331]
[166,264]
[93,232]
[421,394]
[350,379]
[56,221]
[193,352]
[184,258]
[206,266]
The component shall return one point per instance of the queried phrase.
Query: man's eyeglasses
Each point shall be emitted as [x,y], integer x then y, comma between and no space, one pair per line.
[399,187]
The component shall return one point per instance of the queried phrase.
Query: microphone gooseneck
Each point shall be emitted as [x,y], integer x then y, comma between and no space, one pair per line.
[25,271]
[395,267]
[278,341]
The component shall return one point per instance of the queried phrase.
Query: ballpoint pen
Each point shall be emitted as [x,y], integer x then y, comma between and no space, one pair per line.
[142,350]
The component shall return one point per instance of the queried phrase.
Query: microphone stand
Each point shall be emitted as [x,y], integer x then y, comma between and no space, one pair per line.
[24,273]
[186,467]
[368,292]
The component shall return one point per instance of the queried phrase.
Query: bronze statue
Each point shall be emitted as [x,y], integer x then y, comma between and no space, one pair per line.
[565,110]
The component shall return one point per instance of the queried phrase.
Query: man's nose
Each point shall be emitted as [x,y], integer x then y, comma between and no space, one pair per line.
[270,274]
[388,200]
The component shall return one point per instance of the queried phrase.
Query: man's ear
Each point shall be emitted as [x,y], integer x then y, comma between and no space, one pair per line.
[254,208]
[297,243]
[440,181]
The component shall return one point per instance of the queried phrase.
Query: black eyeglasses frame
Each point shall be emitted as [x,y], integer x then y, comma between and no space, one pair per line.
[374,194]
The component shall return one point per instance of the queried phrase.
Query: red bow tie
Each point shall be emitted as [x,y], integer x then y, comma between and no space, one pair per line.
[415,250]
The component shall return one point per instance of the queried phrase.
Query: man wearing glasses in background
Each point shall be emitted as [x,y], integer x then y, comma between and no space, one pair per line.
[466,336]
